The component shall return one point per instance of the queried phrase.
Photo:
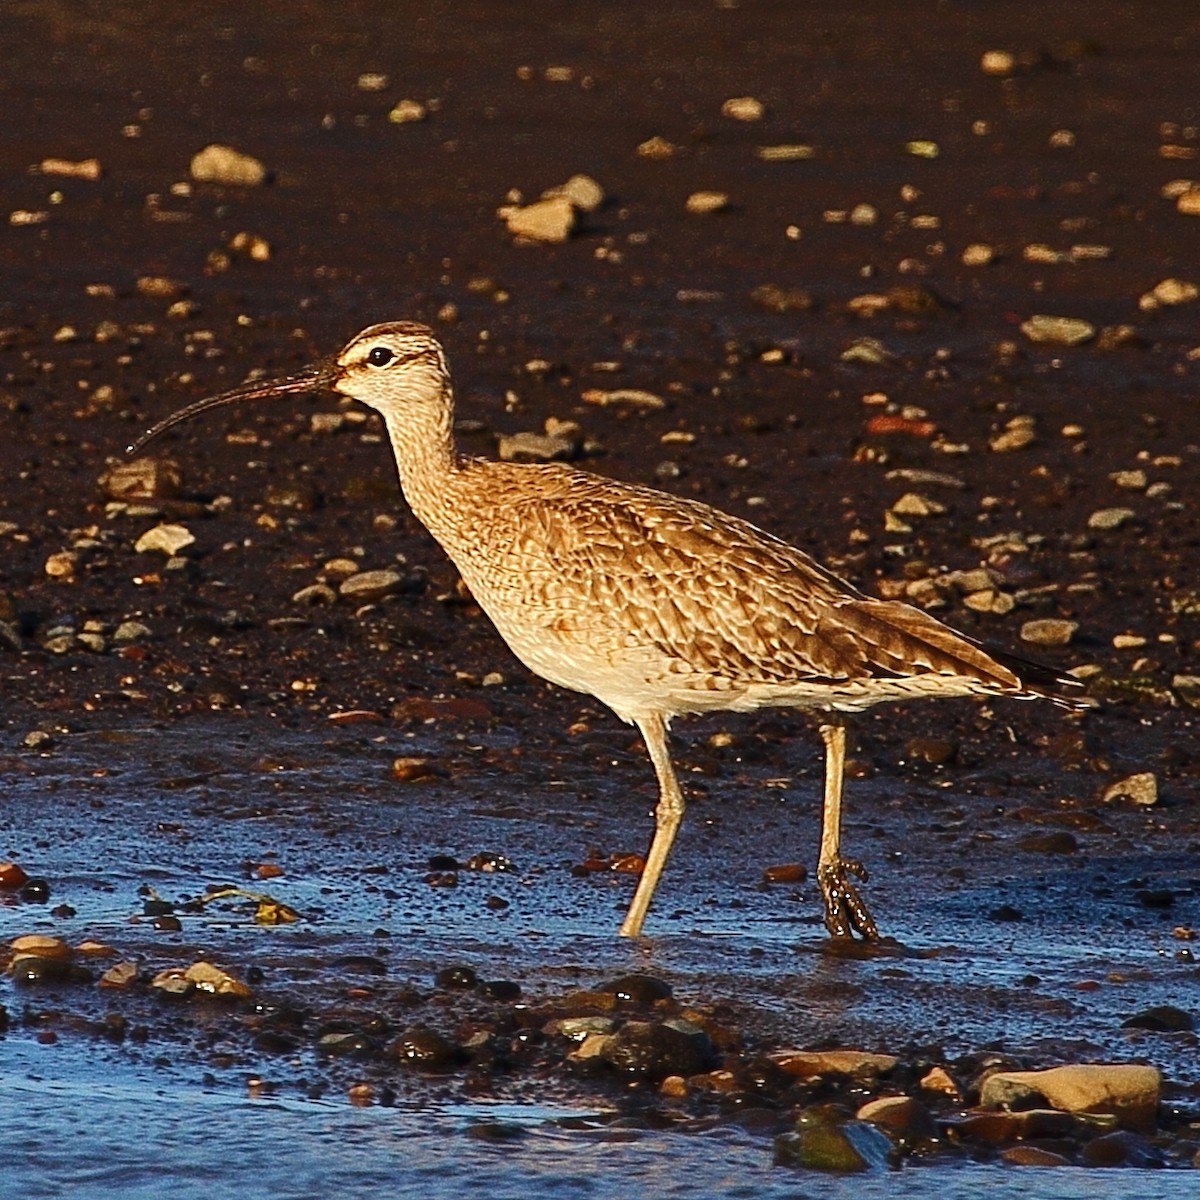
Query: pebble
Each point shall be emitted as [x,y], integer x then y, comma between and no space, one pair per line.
[655,1049]
[978,254]
[1122,1148]
[413,769]
[1188,202]
[1135,480]
[703,203]
[536,447]
[905,1119]
[120,975]
[1018,433]
[1058,331]
[922,148]
[913,504]
[1130,1092]
[62,564]
[657,148]
[1162,1018]
[224,165]
[858,1064]
[457,977]
[743,108]
[314,594]
[582,191]
[1110,518]
[1140,789]
[1168,293]
[785,873]
[420,1046]
[638,989]
[1033,1156]
[990,600]
[408,112]
[12,877]
[142,479]
[998,62]
[775,298]
[543,221]
[166,539]
[87,168]
[791,152]
[39,945]
[368,587]
[1048,631]
[633,397]
[847,1148]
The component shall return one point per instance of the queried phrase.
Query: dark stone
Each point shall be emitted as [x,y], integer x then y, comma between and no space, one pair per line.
[360,964]
[638,989]
[841,1149]
[460,977]
[420,1046]
[1162,1018]
[36,891]
[655,1049]
[503,989]
[1121,1149]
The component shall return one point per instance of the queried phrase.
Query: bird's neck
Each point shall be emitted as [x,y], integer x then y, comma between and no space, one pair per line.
[422,437]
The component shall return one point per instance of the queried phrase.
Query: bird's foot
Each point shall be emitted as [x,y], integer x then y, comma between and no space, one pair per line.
[845,912]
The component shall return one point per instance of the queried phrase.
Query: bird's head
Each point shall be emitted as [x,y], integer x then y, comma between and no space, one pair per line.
[391,368]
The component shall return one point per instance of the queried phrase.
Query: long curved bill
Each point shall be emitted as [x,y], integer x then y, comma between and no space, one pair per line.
[314,378]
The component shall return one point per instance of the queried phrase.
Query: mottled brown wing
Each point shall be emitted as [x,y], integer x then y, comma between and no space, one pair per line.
[714,591]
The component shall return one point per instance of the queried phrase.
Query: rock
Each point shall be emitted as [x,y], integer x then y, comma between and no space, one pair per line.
[847,1148]
[369,587]
[940,1080]
[656,1049]
[414,769]
[1141,789]
[314,594]
[1058,331]
[62,564]
[1110,518]
[420,1046]
[1136,480]
[165,539]
[1018,433]
[1121,1148]
[87,168]
[922,148]
[1188,689]
[1161,1018]
[224,165]
[205,977]
[1048,631]
[657,148]
[407,112]
[39,945]
[638,989]
[632,397]
[990,600]
[743,108]
[1188,202]
[142,479]
[907,1121]
[543,221]
[858,1064]
[1129,1092]
[536,447]
[998,62]
[119,975]
[788,152]
[1168,293]
[582,191]
[978,254]
[785,873]
[913,504]
[1033,1156]
[775,298]
[703,203]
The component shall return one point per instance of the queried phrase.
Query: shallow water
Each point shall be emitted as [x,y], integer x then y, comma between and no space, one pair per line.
[140,1140]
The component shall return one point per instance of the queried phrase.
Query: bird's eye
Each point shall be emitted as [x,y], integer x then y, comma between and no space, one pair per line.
[380,356]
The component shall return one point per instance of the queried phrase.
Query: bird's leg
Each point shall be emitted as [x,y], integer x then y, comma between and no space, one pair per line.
[845,911]
[667,818]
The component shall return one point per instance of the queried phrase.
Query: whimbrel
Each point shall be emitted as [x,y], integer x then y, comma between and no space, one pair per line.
[656,605]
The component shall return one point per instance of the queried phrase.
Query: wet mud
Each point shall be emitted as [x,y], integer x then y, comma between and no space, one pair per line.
[842,351]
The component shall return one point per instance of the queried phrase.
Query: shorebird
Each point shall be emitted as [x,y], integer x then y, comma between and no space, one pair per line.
[658,606]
